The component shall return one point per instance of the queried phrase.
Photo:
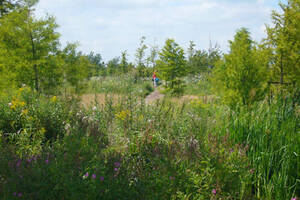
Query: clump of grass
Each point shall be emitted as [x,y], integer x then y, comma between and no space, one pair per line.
[271,131]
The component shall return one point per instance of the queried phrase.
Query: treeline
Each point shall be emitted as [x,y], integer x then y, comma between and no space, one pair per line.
[31,54]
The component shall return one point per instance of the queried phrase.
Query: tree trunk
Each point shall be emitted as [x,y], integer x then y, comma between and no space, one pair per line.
[36,72]
[281,70]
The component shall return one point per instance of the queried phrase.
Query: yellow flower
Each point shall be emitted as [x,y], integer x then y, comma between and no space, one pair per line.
[53,99]
[141,117]
[13,105]
[123,114]
[43,130]
[25,111]
[22,103]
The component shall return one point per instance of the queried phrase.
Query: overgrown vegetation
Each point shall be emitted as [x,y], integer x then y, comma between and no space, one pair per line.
[236,138]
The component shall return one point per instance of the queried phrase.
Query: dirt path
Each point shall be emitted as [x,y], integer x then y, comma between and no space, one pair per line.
[89,99]
[156,95]
[151,98]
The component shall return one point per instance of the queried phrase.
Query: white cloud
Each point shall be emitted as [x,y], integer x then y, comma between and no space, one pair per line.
[111,26]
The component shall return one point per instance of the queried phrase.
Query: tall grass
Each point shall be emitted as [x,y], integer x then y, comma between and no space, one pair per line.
[126,149]
[122,84]
[271,131]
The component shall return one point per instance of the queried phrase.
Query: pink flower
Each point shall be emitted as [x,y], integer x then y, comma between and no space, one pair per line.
[294,198]
[86,175]
[214,191]
[116,169]
[47,161]
[94,176]
[117,164]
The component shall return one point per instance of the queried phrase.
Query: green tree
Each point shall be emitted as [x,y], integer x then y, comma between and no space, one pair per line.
[198,62]
[124,63]
[113,65]
[76,66]
[242,73]
[214,55]
[284,41]
[171,66]
[153,56]
[7,6]
[26,45]
[140,57]
[97,67]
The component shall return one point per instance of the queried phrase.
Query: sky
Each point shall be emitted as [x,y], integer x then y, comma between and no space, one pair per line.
[110,27]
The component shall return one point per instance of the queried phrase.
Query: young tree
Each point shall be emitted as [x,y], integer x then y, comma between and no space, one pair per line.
[284,41]
[191,50]
[242,73]
[76,66]
[140,54]
[113,65]
[171,66]
[214,55]
[124,63]
[198,62]
[153,56]
[97,64]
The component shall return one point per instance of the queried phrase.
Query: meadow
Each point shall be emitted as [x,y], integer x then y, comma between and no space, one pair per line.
[122,148]
[219,125]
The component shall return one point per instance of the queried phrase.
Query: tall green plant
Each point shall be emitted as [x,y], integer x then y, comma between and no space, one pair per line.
[242,73]
[171,66]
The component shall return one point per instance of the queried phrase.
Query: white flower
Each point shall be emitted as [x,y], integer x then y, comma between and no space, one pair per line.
[67,126]
[10,104]
[94,108]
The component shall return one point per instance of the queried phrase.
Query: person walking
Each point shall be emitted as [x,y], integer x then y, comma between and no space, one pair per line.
[154,79]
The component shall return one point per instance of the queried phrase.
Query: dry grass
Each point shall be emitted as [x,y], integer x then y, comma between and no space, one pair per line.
[90,99]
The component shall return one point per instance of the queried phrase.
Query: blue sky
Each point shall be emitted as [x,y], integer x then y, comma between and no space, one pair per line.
[109,27]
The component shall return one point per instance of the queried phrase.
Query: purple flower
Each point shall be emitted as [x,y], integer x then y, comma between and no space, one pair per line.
[214,191]
[116,169]
[46,161]
[19,194]
[34,158]
[117,164]
[29,160]
[94,176]
[294,198]
[86,175]
[15,194]
[19,163]
[101,178]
